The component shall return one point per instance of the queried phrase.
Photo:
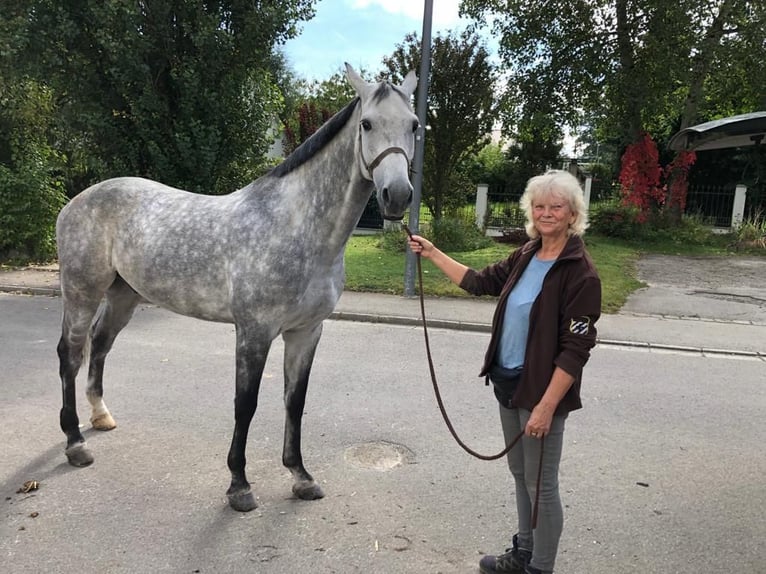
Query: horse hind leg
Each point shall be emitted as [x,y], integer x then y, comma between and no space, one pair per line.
[114,313]
[75,326]
[300,347]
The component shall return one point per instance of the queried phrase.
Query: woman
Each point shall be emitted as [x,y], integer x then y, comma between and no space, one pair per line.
[543,330]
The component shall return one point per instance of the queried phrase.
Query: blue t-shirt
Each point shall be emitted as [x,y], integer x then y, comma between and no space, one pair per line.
[513,339]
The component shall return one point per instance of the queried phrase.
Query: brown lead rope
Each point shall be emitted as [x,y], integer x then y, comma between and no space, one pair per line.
[443,411]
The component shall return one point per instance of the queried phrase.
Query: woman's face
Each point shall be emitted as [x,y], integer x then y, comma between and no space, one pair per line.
[552,215]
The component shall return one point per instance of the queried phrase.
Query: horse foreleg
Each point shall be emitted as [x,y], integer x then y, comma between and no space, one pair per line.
[114,314]
[252,351]
[300,347]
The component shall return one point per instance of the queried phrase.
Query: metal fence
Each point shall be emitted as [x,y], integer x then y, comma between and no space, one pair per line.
[712,204]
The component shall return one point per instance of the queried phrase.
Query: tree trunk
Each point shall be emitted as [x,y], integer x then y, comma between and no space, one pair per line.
[631,89]
[702,61]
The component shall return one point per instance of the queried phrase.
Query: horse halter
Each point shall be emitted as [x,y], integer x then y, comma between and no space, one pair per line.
[381,156]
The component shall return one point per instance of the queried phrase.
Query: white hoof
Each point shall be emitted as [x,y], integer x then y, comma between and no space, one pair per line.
[103,422]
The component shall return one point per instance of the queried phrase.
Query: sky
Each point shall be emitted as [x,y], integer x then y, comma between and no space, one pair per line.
[362,32]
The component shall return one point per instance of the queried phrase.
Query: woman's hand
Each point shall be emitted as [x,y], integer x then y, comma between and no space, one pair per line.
[422,246]
[539,423]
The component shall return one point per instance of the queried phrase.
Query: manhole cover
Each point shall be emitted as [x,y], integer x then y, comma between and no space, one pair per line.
[379,455]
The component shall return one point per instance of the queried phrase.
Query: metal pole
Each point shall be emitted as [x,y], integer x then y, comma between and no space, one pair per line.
[420,142]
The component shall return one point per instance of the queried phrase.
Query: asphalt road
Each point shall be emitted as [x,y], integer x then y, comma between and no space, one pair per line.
[662,471]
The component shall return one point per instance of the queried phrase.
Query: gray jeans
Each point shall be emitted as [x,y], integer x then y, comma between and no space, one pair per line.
[524,460]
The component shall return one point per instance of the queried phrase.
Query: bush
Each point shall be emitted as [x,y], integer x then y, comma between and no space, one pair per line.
[448,234]
[663,226]
[29,204]
[752,232]
[393,240]
[452,234]
[613,219]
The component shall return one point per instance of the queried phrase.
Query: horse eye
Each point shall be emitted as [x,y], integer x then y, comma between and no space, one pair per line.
[415,125]
[366,125]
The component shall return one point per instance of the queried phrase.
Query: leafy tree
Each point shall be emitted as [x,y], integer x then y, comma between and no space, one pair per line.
[31,195]
[632,66]
[176,90]
[461,109]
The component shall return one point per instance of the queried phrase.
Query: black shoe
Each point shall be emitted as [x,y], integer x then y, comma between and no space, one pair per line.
[514,561]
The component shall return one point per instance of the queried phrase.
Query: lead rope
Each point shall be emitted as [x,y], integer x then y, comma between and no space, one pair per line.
[443,411]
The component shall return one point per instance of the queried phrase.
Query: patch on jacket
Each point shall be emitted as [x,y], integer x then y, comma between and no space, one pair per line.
[579,325]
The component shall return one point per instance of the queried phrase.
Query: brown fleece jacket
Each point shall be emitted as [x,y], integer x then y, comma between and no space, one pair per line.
[561,322]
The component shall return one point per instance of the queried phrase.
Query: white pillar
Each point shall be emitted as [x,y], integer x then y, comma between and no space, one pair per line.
[738,211]
[586,192]
[482,194]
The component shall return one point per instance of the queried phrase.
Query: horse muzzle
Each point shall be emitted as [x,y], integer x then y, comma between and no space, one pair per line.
[392,181]
[394,199]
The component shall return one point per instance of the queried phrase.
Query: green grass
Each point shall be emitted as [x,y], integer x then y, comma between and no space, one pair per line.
[369,268]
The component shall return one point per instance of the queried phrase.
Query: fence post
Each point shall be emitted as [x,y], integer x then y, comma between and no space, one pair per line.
[482,194]
[738,211]
[586,192]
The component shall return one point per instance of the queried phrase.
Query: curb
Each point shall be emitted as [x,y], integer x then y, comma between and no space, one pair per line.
[26,290]
[457,326]
[484,328]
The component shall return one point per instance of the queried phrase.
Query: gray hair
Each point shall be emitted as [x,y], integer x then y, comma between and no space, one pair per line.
[561,183]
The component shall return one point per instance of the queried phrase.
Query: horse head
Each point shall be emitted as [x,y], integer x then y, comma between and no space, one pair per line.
[386,142]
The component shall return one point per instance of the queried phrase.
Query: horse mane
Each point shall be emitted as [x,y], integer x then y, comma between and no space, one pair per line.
[316,142]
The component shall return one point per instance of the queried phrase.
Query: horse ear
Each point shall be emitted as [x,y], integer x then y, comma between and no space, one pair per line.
[410,83]
[355,80]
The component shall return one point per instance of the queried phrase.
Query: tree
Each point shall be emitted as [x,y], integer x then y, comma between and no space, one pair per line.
[643,66]
[31,192]
[176,90]
[313,105]
[461,109]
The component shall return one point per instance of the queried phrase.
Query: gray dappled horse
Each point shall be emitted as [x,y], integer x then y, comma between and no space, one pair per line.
[268,258]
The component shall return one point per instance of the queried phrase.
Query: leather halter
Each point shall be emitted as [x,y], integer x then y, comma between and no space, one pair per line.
[381,156]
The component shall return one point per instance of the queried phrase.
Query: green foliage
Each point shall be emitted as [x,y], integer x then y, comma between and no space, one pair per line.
[664,227]
[31,195]
[313,104]
[29,204]
[371,268]
[612,218]
[451,234]
[392,240]
[179,91]
[615,219]
[623,67]
[752,232]
[461,110]
[489,165]
[447,233]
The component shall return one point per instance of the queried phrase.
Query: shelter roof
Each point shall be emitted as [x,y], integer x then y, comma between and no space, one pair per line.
[735,131]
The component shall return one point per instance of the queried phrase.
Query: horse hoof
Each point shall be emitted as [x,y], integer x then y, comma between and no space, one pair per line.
[242,501]
[308,490]
[103,422]
[79,455]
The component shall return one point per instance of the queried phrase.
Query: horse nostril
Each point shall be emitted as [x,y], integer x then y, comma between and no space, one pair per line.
[386,196]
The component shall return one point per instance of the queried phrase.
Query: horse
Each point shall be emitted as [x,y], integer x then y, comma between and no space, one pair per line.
[267,258]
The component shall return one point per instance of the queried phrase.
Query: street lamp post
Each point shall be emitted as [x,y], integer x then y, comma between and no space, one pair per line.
[420,142]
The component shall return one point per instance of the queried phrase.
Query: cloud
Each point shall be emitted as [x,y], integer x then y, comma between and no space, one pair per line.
[445,12]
